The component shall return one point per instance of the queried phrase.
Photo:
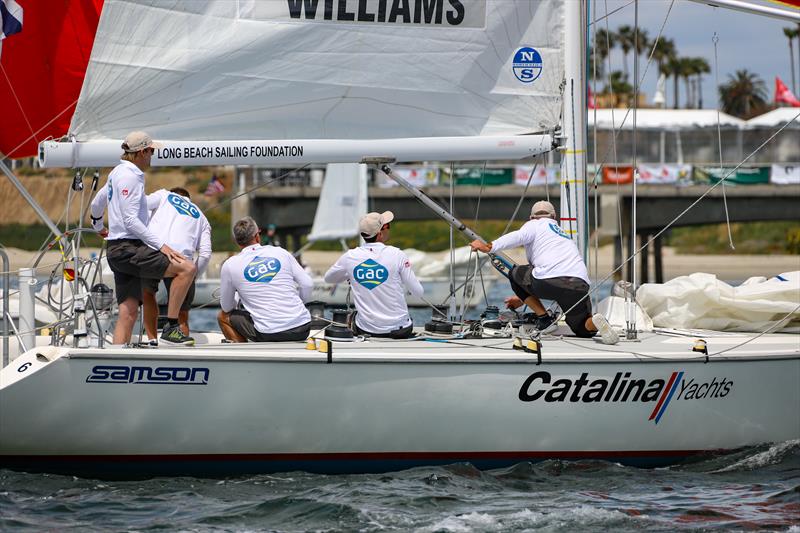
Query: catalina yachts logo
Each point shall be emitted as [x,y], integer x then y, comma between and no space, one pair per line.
[370,274]
[183,206]
[262,269]
[527,64]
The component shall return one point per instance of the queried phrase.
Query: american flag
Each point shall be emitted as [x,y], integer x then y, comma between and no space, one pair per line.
[215,186]
[10,19]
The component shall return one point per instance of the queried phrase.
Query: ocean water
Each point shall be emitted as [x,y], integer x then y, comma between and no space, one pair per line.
[753,489]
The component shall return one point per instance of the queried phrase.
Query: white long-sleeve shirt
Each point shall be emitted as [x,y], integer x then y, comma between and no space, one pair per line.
[271,285]
[379,276]
[175,220]
[548,248]
[182,225]
[128,215]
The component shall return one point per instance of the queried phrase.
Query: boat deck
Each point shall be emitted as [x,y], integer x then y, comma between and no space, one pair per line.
[661,345]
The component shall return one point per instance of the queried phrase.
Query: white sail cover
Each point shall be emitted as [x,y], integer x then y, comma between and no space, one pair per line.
[701,301]
[322,69]
[342,202]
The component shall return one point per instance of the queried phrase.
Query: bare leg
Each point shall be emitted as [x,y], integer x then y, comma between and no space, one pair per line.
[536,304]
[150,314]
[183,321]
[183,274]
[127,317]
[223,319]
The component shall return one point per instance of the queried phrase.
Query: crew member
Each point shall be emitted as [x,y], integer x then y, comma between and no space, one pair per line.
[379,276]
[271,286]
[555,271]
[184,227]
[134,252]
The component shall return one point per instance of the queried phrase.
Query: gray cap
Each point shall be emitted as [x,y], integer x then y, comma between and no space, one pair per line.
[371,223]
[542,209]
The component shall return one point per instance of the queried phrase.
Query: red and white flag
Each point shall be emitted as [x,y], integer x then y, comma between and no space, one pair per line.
[215,186]
[784,95]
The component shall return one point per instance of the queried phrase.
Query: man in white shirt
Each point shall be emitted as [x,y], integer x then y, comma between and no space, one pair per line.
[555,271]
[134,252]
[271,286]
[184,227]
[379,276]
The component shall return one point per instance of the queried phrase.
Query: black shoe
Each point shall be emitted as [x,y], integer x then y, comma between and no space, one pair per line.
[546,323]
[174,335]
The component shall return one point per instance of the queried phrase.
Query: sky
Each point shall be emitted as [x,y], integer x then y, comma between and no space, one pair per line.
[746,41]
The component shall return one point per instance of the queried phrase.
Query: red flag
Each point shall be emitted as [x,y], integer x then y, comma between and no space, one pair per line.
[41,72]
[590,99]
[215,186]
[784,95]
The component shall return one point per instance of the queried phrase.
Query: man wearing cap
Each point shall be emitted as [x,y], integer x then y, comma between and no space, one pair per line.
[379,276]
[134,252]
[272,287]
[555,271]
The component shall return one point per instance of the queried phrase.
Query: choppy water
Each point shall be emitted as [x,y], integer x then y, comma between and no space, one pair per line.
[757,488]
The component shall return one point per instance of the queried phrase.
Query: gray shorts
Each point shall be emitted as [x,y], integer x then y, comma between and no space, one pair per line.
[132,261]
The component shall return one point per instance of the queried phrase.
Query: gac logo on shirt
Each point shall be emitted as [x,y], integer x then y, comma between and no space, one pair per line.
[183,206]
[558,231]
[262,269]
[370,274]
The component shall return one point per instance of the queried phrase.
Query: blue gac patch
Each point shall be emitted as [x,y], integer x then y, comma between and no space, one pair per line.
[558,231]
[183,206]
[262,269]
[370,274]
[527,64]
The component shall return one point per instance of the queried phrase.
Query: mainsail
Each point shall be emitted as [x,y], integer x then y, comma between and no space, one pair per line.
[323,69]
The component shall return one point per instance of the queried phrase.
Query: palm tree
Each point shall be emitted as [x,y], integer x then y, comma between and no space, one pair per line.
[618,84]
[604,43]
[686,71]
[625,41]
[790,34]
[744,94]
[673,68]
[700,66]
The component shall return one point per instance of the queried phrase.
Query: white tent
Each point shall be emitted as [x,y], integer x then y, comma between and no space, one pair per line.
[776,118]
[663,119]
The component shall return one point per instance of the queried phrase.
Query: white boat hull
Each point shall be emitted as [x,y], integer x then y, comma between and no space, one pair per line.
[384,406]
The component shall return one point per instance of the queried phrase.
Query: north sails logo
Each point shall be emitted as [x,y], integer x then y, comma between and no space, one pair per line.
[183,206]
[622,388]
[527,64]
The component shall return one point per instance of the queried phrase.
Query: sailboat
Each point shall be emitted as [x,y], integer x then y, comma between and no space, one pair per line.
[374,82]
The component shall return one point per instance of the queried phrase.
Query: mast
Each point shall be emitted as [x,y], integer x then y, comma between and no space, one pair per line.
[573,171]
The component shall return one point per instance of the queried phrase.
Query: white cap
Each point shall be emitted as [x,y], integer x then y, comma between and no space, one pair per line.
[371,223]
[137,141]
[543,208]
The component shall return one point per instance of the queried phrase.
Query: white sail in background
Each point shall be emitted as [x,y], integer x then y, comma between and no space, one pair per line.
[342,202]
[296,69]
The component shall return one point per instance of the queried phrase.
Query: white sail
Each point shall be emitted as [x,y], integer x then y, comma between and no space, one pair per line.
[290,69]
[342,201]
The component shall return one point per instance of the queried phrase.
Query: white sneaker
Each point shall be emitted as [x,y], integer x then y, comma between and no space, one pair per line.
[607,334]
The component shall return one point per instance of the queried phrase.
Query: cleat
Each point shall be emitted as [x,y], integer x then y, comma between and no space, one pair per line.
[174,335]
[604,329]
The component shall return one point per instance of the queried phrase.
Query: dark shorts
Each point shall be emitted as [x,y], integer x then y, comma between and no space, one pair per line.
[152,286]
[132,261]
[402,333]
[567,291]
[242,322]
